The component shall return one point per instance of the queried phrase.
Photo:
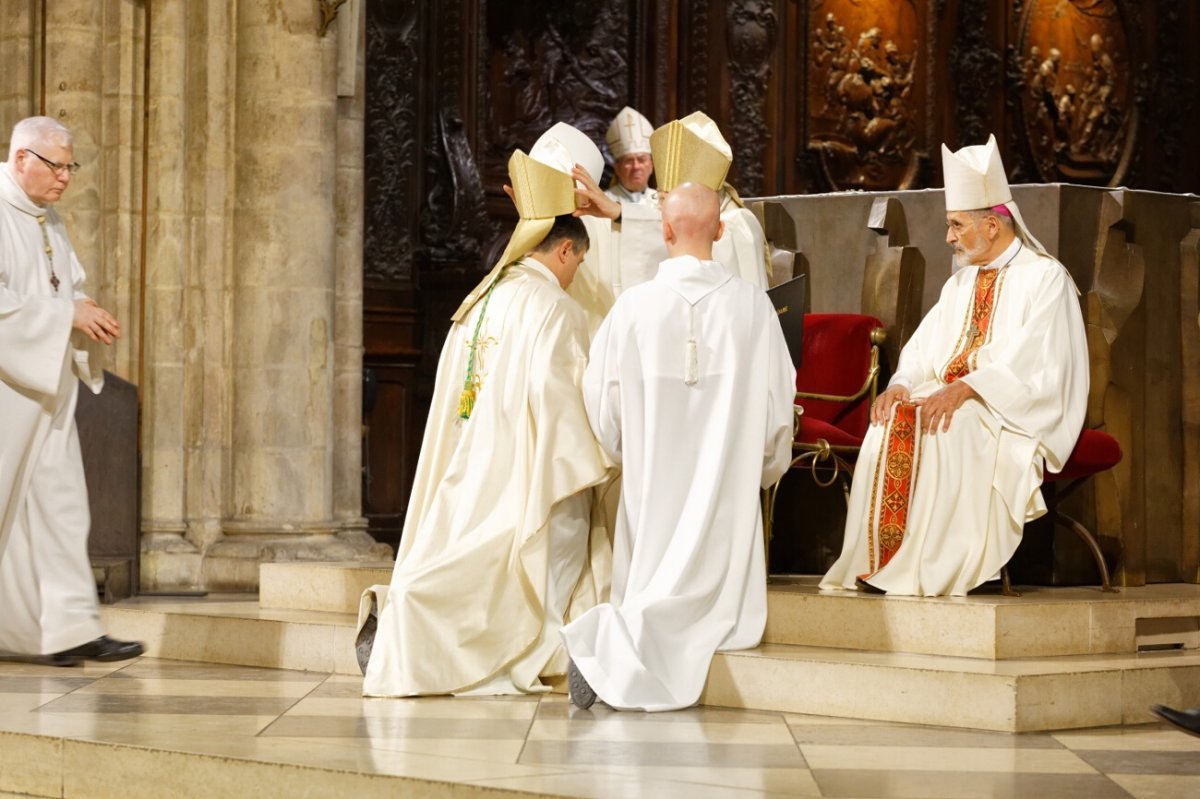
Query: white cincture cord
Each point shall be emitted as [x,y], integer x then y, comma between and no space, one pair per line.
[691,360]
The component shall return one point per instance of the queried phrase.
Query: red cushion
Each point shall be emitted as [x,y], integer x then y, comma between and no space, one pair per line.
[813,429]
[835,359]
[1095,452]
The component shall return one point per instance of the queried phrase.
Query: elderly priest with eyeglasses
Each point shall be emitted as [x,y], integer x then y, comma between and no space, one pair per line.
[990,391]
[48,604]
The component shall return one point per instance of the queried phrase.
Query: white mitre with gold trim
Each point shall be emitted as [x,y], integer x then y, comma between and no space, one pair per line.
[628,133]
[975,181]
[542,189]
[692,150]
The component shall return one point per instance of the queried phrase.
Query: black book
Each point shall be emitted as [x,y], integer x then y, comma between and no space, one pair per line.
[788,299]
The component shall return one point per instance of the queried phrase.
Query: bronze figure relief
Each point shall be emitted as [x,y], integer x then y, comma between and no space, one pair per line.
[1078,107]
[862,87]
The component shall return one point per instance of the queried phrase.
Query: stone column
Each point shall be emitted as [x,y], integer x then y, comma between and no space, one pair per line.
[348,345]
[75,46]
[18,96]
[283,296]
[121,150]
[168,559]
[211,171]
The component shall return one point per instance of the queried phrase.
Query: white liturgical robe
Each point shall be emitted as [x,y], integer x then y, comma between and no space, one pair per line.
[617,192]
[47,592]
[497,544]
[627,254]
[698,431]
[941,513]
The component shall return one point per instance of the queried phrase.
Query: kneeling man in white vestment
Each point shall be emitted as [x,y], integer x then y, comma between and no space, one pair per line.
[497,543]
[990,391]
[688,150]
[48,604]
[690,389]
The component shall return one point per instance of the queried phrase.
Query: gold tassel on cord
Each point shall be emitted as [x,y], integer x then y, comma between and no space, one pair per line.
[466,402]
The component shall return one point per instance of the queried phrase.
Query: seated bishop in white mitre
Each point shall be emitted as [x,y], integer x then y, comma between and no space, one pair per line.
[498,547]
[688,150]
[990,392]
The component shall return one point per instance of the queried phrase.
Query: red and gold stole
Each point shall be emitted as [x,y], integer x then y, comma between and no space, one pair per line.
[977,325]
[900,449]
[895,475]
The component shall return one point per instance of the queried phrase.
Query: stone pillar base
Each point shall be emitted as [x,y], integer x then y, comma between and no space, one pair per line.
[231,564]
[169,562]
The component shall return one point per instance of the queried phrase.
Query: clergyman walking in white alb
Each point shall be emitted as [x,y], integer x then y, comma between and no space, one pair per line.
[48,605]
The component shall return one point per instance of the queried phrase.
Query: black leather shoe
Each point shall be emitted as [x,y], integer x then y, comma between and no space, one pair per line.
[865,587]
[63,659]
[582,695]
[1186,720]
[104,649]
[57,659]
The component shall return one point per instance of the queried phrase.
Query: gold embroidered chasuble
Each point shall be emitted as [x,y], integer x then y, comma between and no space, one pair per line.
[498,545]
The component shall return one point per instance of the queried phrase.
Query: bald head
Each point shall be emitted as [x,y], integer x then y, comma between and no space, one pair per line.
[691,220]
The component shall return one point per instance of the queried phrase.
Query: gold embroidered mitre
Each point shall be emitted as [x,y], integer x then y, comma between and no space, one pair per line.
[542,189]
[690,150]
[541,193]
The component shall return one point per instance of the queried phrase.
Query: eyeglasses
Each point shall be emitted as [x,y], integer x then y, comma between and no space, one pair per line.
[56,167]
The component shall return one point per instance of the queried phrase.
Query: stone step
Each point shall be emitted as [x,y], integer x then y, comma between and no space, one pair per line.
[234,630]
[1015,695]
[1043,622]
[329,587]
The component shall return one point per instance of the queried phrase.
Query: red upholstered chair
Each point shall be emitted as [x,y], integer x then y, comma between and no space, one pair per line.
[835,386]
[1095,452]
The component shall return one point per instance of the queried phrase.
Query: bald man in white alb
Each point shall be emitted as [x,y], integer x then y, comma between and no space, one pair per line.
[689,387]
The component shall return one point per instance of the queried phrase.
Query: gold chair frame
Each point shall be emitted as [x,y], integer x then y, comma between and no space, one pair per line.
[821,451]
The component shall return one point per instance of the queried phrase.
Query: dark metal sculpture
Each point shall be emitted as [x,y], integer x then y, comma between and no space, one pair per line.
[866,85]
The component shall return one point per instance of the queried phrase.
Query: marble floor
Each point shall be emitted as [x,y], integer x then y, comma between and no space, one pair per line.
[169,728]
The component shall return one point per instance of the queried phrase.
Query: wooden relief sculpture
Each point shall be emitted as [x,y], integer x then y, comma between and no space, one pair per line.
[1078,106]
[564,61]
[751,34]
[863,99]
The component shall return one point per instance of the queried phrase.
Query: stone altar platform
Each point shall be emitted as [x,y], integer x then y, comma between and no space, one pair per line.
[1053,659]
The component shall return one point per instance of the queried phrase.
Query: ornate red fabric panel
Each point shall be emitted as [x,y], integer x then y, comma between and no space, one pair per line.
[895,474]
[975,331]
